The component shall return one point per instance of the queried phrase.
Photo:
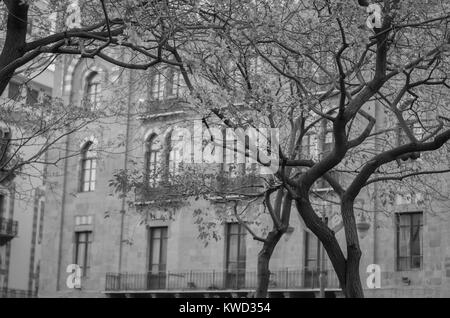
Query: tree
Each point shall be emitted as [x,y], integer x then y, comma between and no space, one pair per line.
[137,27]
[127,34]
[331,71]
[364,95]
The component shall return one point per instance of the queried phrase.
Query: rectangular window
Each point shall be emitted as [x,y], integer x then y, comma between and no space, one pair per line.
[158,257]
[409,227]
[157,86]
[83,242]
[153,160]
[310,146]
[89,168]
[236,254]
[175,158]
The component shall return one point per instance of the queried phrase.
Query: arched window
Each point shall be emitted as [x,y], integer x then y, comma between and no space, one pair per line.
[92,92]
[88,168]
[174,84]
[152,158]
[157,86]
[175,149]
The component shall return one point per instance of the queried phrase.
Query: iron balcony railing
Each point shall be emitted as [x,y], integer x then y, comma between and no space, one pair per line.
[222,183]
[286,279]
[8,228]
[16,293]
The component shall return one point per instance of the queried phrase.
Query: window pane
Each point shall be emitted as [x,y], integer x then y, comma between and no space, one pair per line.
[242,248]
[415,240]
[87,175]
[311,247]
[232,248]
[170,83]
[409,240]
[404,220]
[2,205]
[404,241]
[416,219]
[416,262]
[403,263]
[154,268]
[14,91]
[81,252]
[85,164]
[163,260]
[158,246]
[233,228]
[236,247]
[93,174]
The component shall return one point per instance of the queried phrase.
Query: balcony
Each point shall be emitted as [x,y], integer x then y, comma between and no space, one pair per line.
[158,109]
[8,230]
[246,184]
[216,282]
[222,185]
[162,192]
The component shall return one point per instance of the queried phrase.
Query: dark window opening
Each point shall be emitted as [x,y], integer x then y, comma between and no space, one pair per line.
[158,257]
[83,241]
[88,168]
[409,227]
[236,254]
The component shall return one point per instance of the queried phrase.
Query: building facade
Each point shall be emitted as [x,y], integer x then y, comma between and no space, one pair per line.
[22,199]
[144,244]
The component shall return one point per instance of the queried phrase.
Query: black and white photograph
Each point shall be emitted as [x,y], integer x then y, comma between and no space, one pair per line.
[224,153]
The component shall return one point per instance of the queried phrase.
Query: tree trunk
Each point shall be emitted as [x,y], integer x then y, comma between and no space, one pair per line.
[263,272]
[16,32]
[326,237]
[353,287]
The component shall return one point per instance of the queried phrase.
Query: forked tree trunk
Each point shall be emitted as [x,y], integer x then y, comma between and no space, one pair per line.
[263,272]
[353,287]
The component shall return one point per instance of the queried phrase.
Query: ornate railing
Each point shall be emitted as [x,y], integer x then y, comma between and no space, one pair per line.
[16,293]
[222,184]
[286,279]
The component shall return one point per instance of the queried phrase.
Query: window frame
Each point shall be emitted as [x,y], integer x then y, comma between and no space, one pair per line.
[174,156]
[411,227]
[241,237]
[164,236]
[157,90]
[86,258]
[87,155]
[152,160]
[92,91]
